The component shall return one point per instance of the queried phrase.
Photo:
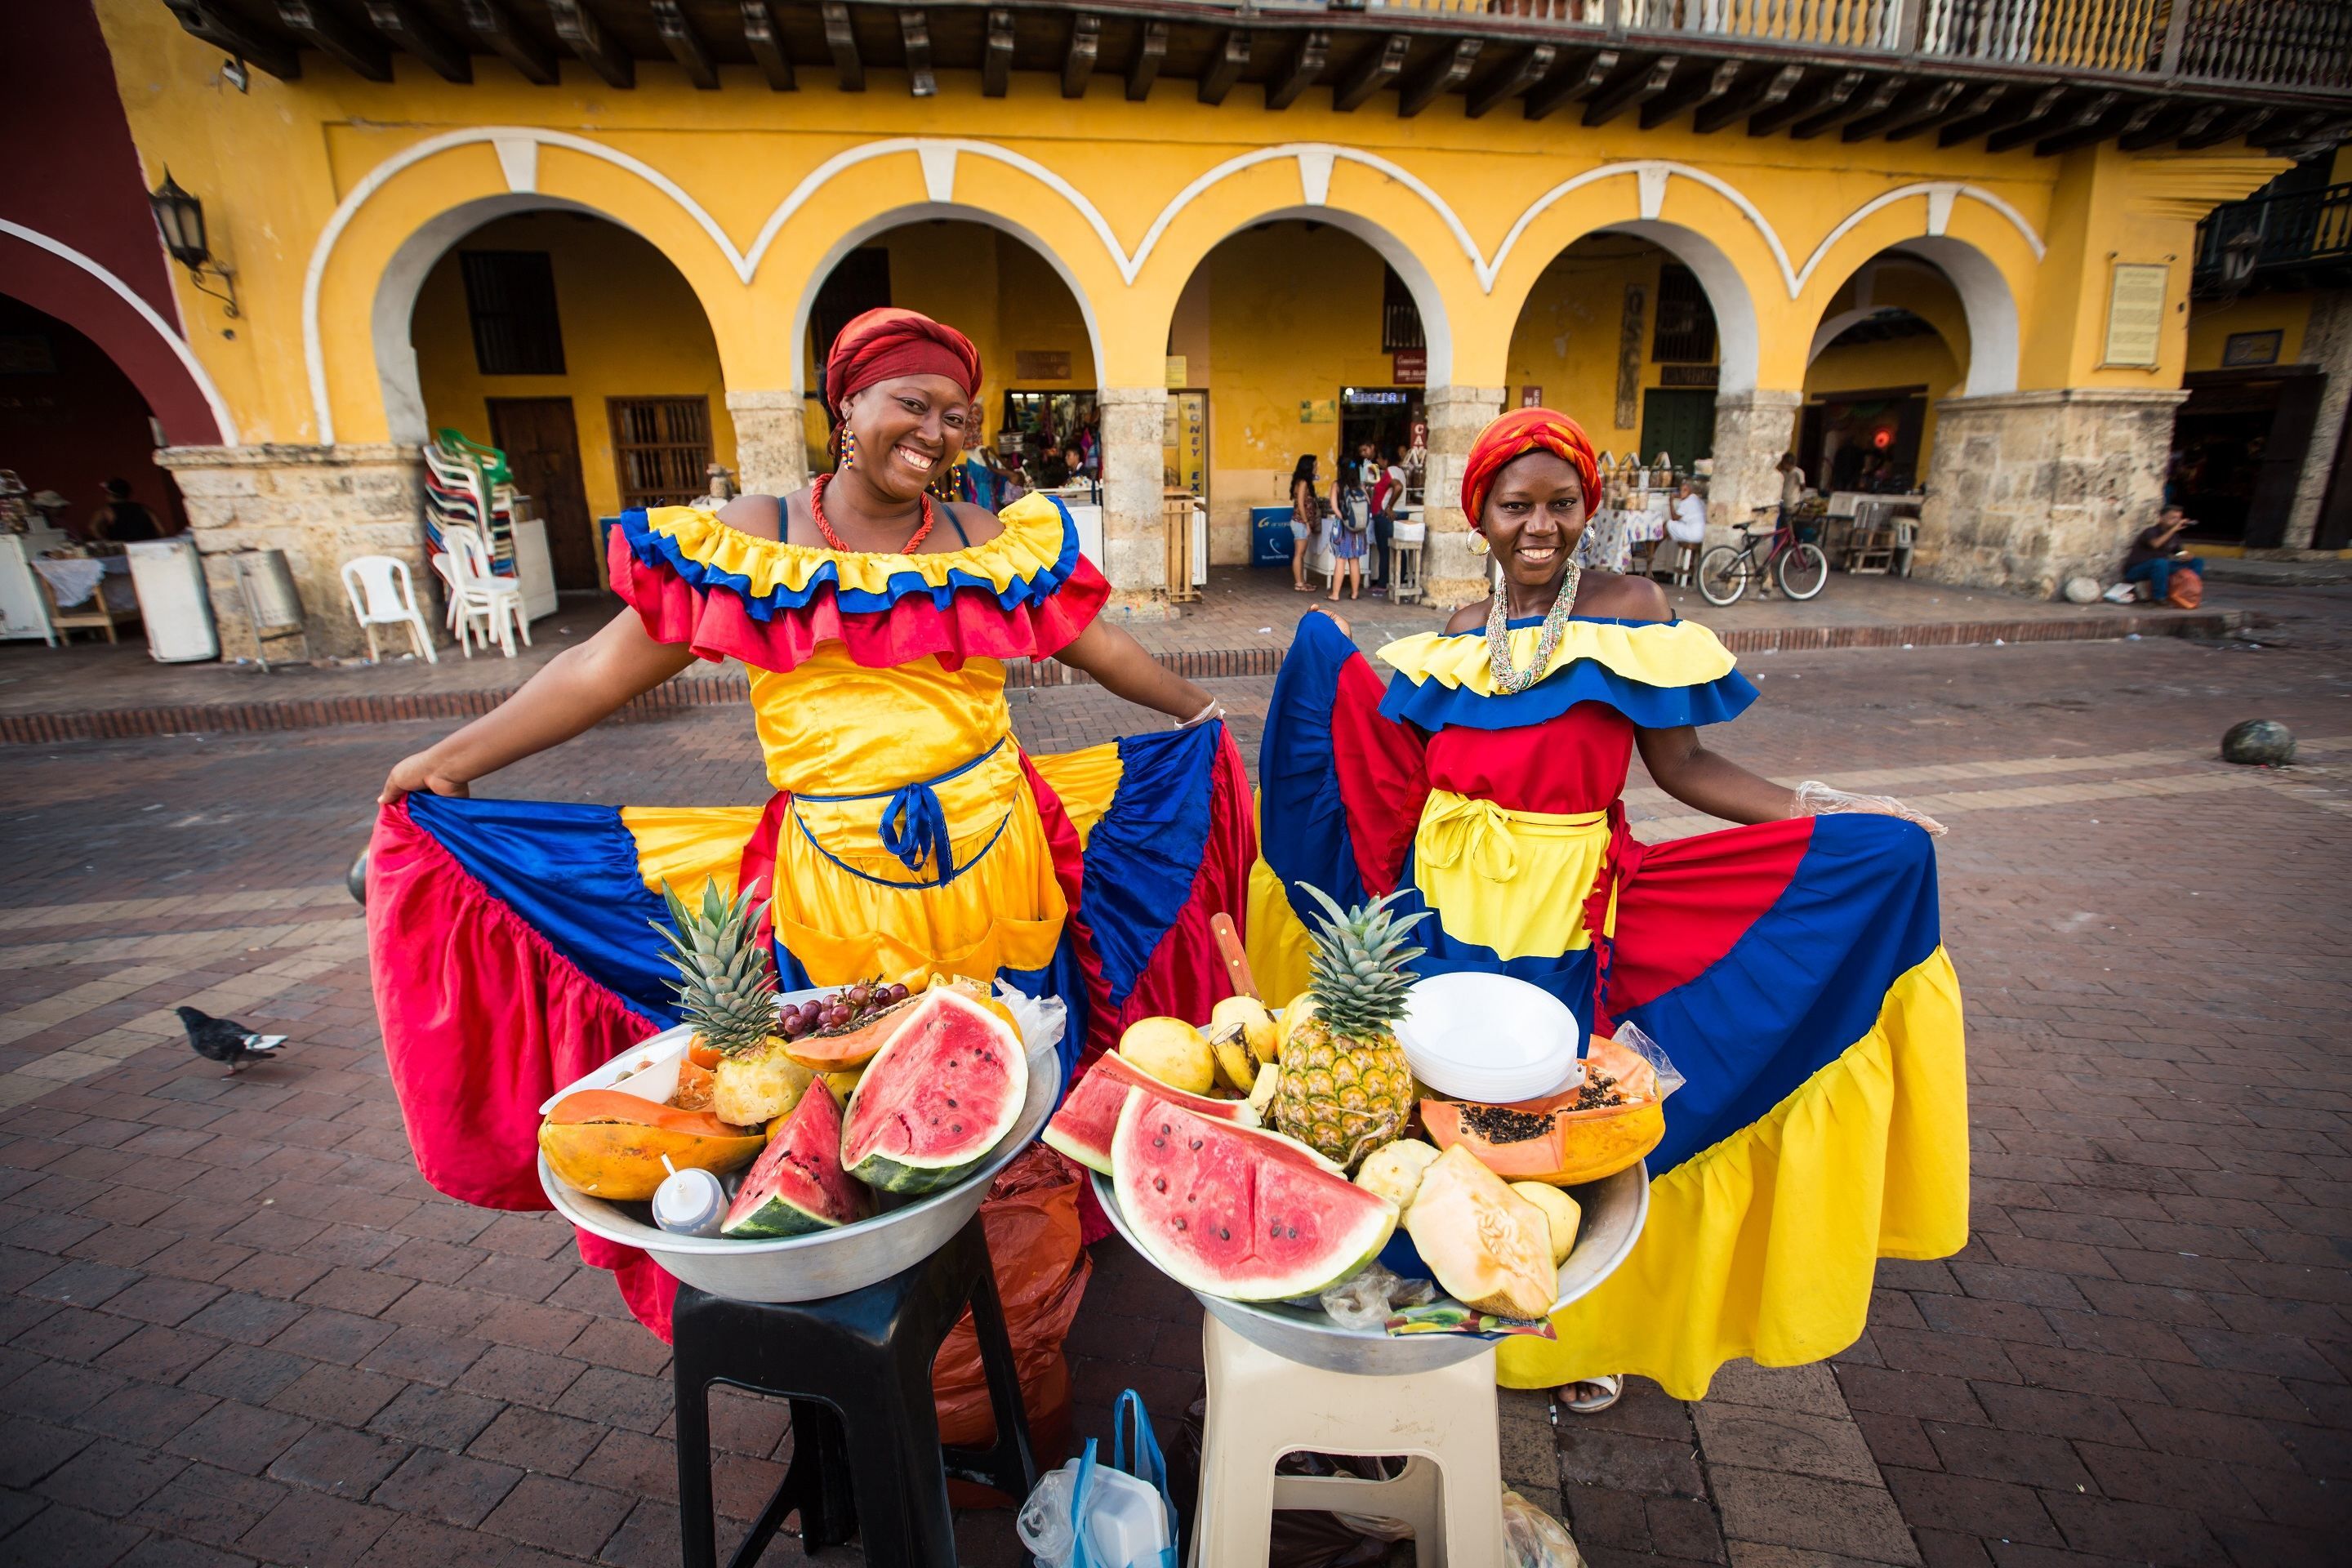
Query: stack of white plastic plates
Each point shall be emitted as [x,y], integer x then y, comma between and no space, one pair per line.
[1489,1038]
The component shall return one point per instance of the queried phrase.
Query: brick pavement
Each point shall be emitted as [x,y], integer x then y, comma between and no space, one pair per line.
[236,1327]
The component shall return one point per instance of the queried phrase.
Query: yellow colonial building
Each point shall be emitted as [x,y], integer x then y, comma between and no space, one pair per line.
[1959,238]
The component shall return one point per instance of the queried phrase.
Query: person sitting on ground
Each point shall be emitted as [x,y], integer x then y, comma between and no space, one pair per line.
[123,520]
[2156,554]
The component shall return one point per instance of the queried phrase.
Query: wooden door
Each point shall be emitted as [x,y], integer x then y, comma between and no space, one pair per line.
[542,448]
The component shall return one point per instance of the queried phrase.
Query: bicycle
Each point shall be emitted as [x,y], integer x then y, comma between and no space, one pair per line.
[1723,571]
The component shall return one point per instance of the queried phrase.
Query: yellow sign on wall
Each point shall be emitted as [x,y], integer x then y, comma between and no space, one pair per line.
[1178,370]
[2136,315]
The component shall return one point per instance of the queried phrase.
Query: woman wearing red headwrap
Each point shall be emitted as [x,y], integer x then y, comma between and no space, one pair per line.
[1792,970]
[910,836]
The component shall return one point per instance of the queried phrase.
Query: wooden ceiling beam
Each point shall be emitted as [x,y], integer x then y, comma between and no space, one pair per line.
[1078,59]
[1449,69]
[2089,111]
[1375,69]
[996,55]
[1861,106]
[767,46]
[1579,81]
[493,23]
[1829,93]
[207,23]
[326,31]
[2017,106]
[1637,83]
[1961,108]
[1151,50]
[1225,64]
[577,28]
[1896,116]
[1769,89]
[841,38]
[685,45]
[2178,120]
[1308,58]
[409,31]
[915,38]
[2120,123]
[2232,124]
[1507,81]
[1670,104]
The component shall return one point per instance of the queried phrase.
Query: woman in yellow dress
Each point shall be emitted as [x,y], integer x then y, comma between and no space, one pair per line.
[909,834]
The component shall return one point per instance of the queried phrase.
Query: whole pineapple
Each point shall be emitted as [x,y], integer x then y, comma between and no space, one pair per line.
[727,989]
[1345,1089]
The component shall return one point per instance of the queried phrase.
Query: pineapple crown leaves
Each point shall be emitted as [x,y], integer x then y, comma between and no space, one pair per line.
[727,987]
[1358,974]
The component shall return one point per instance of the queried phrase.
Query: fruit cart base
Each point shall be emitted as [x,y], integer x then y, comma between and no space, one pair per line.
[1262,1406]
[866,1457]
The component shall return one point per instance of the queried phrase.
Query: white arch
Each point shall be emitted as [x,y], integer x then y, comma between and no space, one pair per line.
[1739,344]
[172,340]
[1985,301]
[1940,195]
[1437,329]
[1653,174]
[917,212]
[393,310]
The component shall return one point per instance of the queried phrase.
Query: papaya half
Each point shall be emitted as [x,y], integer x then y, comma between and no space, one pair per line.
[1550,1139]
[610,1144]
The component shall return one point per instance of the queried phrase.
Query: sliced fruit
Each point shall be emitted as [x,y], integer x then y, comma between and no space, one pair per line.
[1231,1211]
[1261,1093]
[1560,1212]
[935,1099]
[1488,1247]
[1264,1034]
[1082,1128]
[1550,1140]
[611,1145]
[797,1184]
[1394,1170]
[757,1085]
[1238,1064]
[1172,1051]
[852,1044]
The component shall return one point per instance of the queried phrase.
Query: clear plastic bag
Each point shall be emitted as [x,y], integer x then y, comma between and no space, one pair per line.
[1091,1515]
[1633,1038]
[1533,1538]
[1365,1299]
[1815,798]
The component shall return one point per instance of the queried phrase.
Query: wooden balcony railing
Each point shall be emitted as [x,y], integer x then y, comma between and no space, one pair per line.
[2302,232]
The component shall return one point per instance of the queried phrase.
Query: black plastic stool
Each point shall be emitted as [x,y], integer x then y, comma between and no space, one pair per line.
[867,1456]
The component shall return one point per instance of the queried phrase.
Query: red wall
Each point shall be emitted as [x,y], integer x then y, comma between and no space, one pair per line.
[72,175]
[73,429]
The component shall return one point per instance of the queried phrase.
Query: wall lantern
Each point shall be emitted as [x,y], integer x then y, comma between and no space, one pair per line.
[2238,253]
[180,217]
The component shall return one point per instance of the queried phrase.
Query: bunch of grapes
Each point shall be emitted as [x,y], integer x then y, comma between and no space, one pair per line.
[843,1009]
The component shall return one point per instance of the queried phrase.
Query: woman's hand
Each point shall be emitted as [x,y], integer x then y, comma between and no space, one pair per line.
[1814,798]
[418,774]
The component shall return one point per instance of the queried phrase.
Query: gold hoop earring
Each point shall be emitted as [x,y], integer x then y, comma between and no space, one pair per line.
[1478,545]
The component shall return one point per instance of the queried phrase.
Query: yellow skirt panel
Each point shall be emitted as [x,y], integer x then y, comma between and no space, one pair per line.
[1085,781]
[1276,940]
[1764,1245]
[688,846]
[1512,880]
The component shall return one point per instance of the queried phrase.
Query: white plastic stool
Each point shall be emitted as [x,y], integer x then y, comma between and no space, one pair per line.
[1262,1406]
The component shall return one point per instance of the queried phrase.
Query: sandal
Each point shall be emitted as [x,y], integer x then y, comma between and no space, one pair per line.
[1611,1385]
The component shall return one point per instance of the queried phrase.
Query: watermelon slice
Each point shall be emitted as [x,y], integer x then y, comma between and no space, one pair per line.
[1082,1128]
[1236,1212]
[935,1100]
[797,1184]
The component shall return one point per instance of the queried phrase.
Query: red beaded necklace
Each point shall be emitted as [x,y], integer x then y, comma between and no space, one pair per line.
[833,539]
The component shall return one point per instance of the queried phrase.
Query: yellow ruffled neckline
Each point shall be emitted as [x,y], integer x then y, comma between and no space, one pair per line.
[1665,654]
[1036,546]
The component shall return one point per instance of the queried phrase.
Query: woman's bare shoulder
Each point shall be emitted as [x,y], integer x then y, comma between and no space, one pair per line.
[979,524]
[1619,597]
[762,517]
[1469,617]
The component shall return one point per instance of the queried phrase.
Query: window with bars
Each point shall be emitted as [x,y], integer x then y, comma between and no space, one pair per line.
[661,449]
[511,300]
[1399,316]
[1684,332]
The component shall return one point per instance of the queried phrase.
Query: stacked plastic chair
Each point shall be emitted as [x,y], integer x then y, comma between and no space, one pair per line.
[467,485]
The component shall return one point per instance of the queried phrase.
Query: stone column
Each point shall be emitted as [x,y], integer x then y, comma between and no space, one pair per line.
[322,506]
[2327,343]
[1752,431]
[2028,488]
[1452,574]
[1135,546]
[771,441]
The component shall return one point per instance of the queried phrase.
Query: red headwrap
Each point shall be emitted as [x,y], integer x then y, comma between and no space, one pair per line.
[882,344]
[1516,433]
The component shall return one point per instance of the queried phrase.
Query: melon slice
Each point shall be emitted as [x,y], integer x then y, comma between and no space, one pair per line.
[1082,1128]
[611,1143]
[797,1184]
[1490,1248]
[1233,1212]
[935,1100]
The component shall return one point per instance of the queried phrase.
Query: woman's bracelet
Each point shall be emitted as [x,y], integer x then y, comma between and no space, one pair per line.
[1215,710]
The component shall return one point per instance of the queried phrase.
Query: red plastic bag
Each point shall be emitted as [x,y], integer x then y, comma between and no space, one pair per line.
[1032,1220]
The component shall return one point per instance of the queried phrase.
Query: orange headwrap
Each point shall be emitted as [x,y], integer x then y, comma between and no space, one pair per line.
[885,344]
[1516,433]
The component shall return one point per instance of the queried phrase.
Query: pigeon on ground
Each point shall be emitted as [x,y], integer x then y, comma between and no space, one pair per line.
[226,1040]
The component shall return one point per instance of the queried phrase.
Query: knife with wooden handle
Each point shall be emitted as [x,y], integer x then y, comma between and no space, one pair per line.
[1229,947]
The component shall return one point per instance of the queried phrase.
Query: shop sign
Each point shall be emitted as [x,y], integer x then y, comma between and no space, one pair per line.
[1041,364]
[1178,368]
[1531,397]
[1412,367]
[2244,349]
[2136,315]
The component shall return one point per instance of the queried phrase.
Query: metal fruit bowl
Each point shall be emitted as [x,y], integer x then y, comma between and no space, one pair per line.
[1615,1208]
[826,1263]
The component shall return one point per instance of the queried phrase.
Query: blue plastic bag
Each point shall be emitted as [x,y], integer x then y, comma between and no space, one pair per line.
[1088,1514]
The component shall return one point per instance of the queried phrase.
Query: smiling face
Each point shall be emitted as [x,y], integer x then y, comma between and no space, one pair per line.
[1533,518]
[908,430]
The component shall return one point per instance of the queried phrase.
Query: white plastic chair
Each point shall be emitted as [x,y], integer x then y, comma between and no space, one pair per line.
[481,595]
[382,596]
